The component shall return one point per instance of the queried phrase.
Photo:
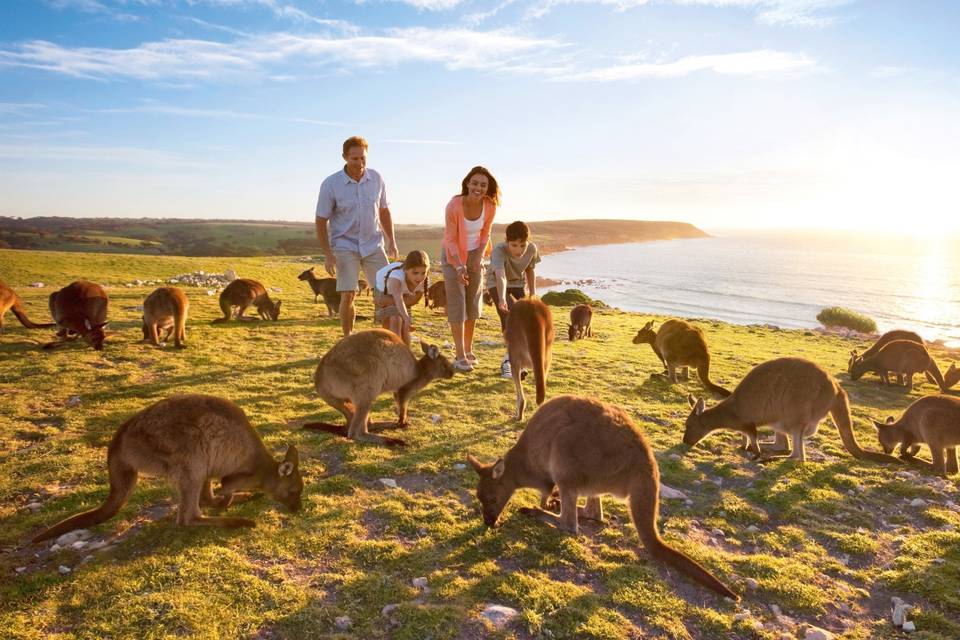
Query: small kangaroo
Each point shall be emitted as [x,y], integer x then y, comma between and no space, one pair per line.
[326,287]
[791,395]
[931,420]
[952,376]
[9,300]
[437,295]
[900,357]
[80,310]
[680,344]
[190,439]
[529,336]
[888,337]
[365,364]
[581,317]
[243,292]
[166,310]
[585,447]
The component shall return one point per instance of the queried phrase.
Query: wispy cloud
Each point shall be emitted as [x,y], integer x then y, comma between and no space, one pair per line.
[416,141]
[92,7]
[190,112]
[749,63]
[20,108]
[117,155]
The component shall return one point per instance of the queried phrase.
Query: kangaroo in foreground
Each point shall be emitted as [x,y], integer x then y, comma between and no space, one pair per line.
[166,310]
[888,337]
[581,316]
[365,364]
[9,300]
[680,344]
[243,292]
[529,336]
[585,447]
[190,439]
[80,310]
[931,420]
[900,357]
[791,395]
[437,295]
[326,287]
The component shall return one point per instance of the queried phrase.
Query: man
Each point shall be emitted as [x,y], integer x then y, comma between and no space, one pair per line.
[353,220]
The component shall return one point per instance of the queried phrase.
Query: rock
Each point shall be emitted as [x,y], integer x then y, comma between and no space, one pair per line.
[73,401]
[343,622]
[86,559]
[918,502]
[816,633]
[389,609]
[498,615]
[459,467]
[388,482]
[276,289]
[900,609]
[64,570]
[96,545]
[676,457]
[70,537]
[435,418]
[37,285]
[776,610]
[719,533]
[34,506]
[751,584]
[740,616]
[905,475]
[669,493]
[908,626]
[55,547]
[211,292]
[20,569]
[419,583]
[79,544]
[752,529]
[229,275]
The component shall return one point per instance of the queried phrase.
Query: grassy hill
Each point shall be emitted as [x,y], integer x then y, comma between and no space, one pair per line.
[828,543]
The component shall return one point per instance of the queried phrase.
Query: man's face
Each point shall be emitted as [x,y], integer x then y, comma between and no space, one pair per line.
[516,247]
[356,158]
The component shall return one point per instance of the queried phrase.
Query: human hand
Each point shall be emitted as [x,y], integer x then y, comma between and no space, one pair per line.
[392,252]
[463,276]
[330,263]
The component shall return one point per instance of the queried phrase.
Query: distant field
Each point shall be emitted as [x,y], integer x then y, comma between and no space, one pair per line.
[828,543]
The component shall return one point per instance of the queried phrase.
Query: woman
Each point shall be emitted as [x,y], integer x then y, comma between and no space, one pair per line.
[399,285]
[466,241]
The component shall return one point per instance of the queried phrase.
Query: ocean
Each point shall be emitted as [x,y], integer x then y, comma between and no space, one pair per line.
[780,278]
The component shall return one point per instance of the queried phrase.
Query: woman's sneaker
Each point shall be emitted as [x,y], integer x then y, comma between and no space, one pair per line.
[462,365]
[505,370]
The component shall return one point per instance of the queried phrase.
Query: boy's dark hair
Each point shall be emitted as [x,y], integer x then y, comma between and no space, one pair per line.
[518,231]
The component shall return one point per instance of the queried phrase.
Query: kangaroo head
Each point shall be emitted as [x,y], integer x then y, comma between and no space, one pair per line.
[857,367]
[694,429]
[306,275]
[571,332]
[493,489]
[275,311]
[94,334]
[287,485]
[434,362]
[646,334]
[854,355]
[888,434]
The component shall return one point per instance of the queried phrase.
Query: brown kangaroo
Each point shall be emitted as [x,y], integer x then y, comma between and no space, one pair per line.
[166,309]
[437,295]
[80,310]
[243,292]
[585,447]
[900,357]
[365,364]
[581,317]
[680,344]
[791,395]
[889,336]
[952,376]
[190,439]
[10,300]
[931,420]
[529,336]
[326,287]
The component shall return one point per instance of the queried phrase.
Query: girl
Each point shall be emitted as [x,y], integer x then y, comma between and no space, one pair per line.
[400,285]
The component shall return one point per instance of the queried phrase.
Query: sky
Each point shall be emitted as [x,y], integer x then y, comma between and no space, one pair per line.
[722,113]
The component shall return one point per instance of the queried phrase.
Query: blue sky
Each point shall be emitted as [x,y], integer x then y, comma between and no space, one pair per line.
[724,113]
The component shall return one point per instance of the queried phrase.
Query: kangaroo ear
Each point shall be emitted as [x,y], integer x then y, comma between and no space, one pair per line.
[498,468]
[86,323]
[476,464]
[432,351]
[102,325]
[691,400]
[277,306]
[854,353]
[890,420]
[698,408]
[292,456]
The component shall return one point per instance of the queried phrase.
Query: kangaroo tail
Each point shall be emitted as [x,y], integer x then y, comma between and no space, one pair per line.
[840,412]
[536,341]
[644,508]
[21,314]
[933,371]
[123,478]
[704,372]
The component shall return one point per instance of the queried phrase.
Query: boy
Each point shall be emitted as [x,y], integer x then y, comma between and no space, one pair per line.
[511,263]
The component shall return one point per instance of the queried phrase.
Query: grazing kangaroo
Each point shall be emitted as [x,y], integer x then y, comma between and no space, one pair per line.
[931,420]
[326,287]
[243,292]
[365,364]
[437,295]
[80,310]
[10,300]
[529,337]
[581,316]
[680,344]
[952,376]
[585,447]
[791,395]
[900,357]
[190,439]
[889,336]
[166,309]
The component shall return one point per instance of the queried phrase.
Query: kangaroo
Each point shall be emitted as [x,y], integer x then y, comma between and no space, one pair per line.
[166,309]
[791,395]
[889,336]
[190,439]
[529,336]
[80,310]
[901,357]
[581,316]
[326,287]
[952,376]
[585,447]
[243,292]
[365,364]
[437,295]
[931,420]
[10,300]
[680,344]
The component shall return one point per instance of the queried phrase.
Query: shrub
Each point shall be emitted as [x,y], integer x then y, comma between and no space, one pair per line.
[569,298]
[840,317]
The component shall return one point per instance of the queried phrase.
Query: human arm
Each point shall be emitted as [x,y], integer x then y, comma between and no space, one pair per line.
[386,223]
[323,237]
[396,292]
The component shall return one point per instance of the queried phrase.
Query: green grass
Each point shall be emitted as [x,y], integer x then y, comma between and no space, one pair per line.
[829,543]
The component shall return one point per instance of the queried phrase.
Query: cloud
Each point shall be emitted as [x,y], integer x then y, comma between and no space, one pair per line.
[91,7]
[173,110]
[20,108]
[430,5]
[415,141]
[760,63]
[118,155]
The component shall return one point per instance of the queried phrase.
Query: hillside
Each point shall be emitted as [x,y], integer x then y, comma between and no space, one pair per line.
[829,543]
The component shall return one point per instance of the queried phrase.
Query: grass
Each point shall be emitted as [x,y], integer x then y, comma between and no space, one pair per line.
[829,543]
